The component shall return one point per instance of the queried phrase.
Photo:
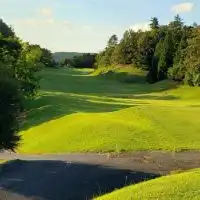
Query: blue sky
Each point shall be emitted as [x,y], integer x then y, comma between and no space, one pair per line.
[85,25]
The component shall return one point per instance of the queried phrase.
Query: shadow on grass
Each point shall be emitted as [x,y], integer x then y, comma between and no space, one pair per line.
[67,92]
[74,82]
[51,107]
[195,106]
[55,180]
[125,77]
[154,97]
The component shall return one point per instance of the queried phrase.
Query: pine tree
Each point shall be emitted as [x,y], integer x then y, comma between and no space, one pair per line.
[192,59]
[154,25]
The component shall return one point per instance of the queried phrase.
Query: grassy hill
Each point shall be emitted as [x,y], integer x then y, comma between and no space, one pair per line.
[76,112]
[184,186]
[61,56]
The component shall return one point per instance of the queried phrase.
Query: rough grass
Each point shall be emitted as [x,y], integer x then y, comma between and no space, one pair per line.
[76,112]
[184,186]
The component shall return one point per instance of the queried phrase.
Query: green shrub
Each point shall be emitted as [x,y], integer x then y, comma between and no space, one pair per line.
[192,78]
[176,73]
[10,107]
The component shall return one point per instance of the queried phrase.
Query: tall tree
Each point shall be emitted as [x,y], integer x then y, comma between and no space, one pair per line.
[26,67]
[192,59]
[47,58]
[5,30]
[177,23]
[19,63]
[146,48]
[112,41]
[164,50]
[130,47]
[154,25]
[10,107]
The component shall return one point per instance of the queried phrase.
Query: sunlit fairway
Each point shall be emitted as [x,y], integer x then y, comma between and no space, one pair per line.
[184,186]
[76,112]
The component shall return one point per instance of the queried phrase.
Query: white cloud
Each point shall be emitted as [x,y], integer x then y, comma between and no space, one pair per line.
[144,26]
[35,22]
[87,27]
[50,21]
[67,24]
[47,12]
[182,8]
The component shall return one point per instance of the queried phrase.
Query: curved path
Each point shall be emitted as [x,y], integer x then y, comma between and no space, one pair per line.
[83,176]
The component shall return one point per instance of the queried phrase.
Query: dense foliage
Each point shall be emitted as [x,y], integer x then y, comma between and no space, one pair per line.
[86,60]
[166,51]
[61,56]
[19,62]
[10,107]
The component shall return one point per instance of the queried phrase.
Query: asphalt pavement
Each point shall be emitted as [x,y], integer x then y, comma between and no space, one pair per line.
[84,176]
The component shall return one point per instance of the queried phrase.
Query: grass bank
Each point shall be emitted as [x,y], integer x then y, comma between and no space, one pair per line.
[184,186]
[77,112]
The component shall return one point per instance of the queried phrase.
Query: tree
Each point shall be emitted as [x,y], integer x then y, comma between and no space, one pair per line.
[24,60]
[5,30]
[100,59]
[130,47]
[165,58]
[158,60]
[177,23]
[117,54]
[154,25]
[68,62]
[152,75]
[47,58]
[191,61]
[112,41]
[10,49]
[146,49]
[19,64]
[195,25]
[164,51]
[186,33]
[86,60]
[10,107]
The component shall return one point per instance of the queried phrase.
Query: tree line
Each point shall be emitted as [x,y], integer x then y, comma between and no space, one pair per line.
[86,60]
[165,51]
[19,64]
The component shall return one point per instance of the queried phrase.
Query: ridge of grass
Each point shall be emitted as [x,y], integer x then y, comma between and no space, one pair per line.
[77,112]
[183,186]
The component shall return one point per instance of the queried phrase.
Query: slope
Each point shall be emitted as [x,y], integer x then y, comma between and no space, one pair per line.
[75,112]
[184,186]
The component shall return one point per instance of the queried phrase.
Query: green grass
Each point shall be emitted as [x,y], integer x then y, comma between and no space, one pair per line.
[76,112]
[184,186]
[2,161]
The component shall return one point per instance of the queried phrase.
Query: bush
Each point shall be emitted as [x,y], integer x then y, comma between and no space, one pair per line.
[26,74]
[10,107]
[192,78]
[176,73]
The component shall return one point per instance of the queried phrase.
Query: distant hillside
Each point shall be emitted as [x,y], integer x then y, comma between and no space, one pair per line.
[61,56]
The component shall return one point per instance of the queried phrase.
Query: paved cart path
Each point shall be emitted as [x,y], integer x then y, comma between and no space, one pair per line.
[83,176]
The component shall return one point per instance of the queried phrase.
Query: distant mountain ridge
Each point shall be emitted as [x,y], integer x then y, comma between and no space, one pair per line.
[61,56]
